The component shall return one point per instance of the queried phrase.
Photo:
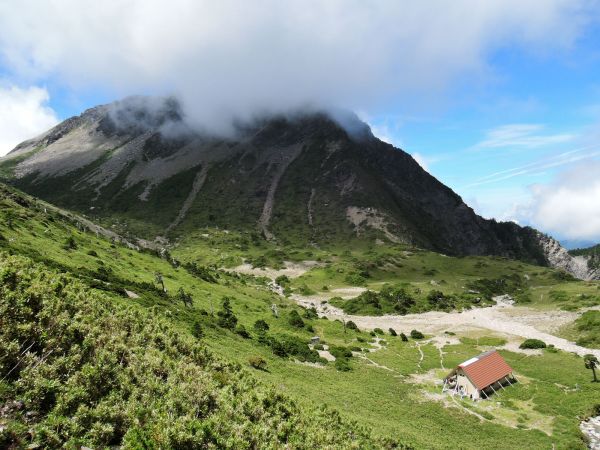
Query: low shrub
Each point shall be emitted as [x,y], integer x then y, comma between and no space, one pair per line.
[241,330]
[393,332]
[282,280]
[532,344]
[305,290]
[416,334]
[197,330]
[261,325]
[295,320]
[70,244]
[311,313]
[343,365]
[226,318]
[352,326]
[257,362]
[340,351]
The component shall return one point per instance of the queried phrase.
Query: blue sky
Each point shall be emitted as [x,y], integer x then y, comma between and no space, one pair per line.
[494,142]
[500,100]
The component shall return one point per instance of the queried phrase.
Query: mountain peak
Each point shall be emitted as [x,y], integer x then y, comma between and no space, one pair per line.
[311,176]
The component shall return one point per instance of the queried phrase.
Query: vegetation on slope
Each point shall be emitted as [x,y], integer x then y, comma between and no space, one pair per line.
[78,369]
[391,389]
[586,330]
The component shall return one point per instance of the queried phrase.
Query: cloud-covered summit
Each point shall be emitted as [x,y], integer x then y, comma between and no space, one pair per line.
[235,59]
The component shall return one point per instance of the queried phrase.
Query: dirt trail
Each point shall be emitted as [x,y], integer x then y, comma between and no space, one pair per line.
[421,354]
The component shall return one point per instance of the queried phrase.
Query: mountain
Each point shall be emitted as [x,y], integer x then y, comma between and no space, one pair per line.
[573,244]
[309,178]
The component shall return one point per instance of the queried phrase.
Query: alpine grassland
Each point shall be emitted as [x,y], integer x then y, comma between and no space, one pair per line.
[194,345]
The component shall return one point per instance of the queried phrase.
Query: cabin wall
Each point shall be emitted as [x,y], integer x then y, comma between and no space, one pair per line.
[468,387]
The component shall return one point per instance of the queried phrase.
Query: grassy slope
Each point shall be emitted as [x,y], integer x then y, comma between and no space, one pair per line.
[83,369]
[384,399]
[585,330]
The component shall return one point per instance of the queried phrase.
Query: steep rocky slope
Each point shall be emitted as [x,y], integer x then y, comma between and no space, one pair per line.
[305,179]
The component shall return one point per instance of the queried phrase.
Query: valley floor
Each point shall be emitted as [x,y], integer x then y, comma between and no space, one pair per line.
[513,322]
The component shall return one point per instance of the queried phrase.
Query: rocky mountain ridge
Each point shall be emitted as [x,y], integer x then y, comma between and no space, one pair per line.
[307,178]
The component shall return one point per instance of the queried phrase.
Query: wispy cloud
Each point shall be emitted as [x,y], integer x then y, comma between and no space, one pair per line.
[562,159]
[522,135]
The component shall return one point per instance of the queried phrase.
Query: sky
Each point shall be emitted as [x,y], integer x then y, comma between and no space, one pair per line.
[500,100]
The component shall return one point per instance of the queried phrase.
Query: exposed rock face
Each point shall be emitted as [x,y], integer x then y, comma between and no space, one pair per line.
[560,258]
[301,179]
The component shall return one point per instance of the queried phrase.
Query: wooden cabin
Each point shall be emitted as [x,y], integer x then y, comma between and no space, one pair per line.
[479,377]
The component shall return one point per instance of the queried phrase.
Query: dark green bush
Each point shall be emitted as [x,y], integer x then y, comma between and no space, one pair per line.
[343,365]
[352,326]
[226,318]
[282,280]
[393,332]
[261,325]
[416,334]
[207,274]
[532,344]
[197,330]
[311,313]
[340,352]
[295,320]
[241,330]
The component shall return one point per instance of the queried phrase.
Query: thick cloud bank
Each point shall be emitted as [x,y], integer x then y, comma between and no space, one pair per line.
[237,58]
[23,114]
[569,207]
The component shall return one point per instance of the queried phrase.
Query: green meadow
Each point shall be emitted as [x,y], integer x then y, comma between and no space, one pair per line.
[380,385]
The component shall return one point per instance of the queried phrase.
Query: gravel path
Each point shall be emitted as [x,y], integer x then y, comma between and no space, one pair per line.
[502,318]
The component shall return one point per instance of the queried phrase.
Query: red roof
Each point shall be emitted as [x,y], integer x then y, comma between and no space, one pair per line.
[486,369]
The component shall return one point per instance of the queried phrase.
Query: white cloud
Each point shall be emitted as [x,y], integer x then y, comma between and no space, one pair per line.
[522,136]
[386,133]
[235,57]
[570,206]
[23,114]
